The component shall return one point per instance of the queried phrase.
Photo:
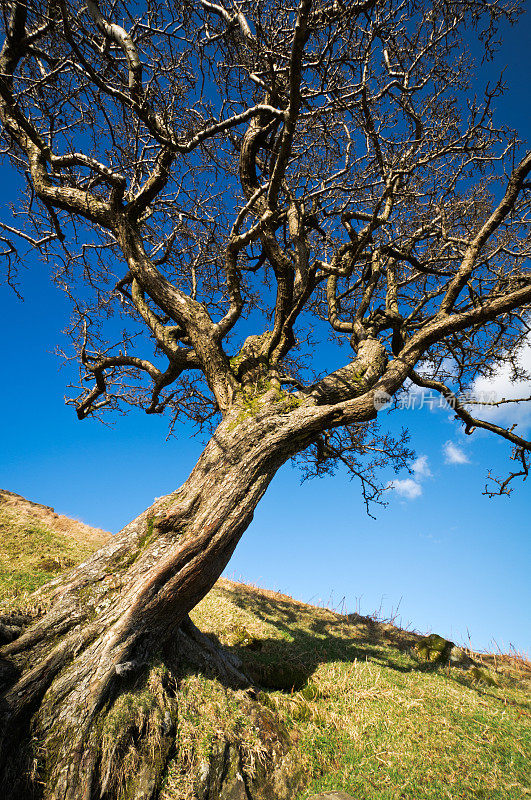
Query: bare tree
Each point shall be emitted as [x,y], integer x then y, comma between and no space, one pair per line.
[220,187]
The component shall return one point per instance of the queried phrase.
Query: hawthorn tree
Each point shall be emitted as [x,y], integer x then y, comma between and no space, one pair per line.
[221,187]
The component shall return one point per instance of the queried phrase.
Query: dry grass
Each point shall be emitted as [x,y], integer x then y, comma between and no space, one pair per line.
[73,529]
[36,544]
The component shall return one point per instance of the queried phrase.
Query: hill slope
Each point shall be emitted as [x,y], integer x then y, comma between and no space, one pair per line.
[335,702]
[36,543]
[369,718]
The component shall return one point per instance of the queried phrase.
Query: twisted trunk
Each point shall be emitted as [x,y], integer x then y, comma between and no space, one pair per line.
[102,624]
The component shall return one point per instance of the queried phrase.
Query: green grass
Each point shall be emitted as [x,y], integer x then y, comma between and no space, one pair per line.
[364,716]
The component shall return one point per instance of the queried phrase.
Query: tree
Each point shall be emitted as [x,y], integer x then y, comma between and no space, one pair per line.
[225,186]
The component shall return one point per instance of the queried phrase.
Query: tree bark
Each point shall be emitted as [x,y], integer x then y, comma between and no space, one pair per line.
[101,625]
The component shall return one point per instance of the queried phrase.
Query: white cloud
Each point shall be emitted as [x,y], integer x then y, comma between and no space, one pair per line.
[407,487]
[498,387]
[410,488]
[421,468]
[501,387]
[454,455]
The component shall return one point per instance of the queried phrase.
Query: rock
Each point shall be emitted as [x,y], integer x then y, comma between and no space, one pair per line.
[458,658]
[433,648]
[222,778]
[482,676]
[436,650]
[233,785]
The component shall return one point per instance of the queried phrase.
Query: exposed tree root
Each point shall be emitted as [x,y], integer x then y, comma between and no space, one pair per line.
[121,744]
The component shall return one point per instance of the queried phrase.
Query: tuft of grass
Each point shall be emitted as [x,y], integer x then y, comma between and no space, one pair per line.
[136,730]
[210,715]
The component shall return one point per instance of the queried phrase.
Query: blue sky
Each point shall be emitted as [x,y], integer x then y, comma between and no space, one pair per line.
[452,560]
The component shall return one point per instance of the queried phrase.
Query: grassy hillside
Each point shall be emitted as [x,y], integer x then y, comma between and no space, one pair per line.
[359,709]
[36,543]
[370,719]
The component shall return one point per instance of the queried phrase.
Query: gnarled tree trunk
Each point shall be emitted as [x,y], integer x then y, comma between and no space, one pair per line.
[102,623]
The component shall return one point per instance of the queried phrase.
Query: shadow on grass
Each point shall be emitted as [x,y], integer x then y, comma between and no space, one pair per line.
[309,637]
[312,636]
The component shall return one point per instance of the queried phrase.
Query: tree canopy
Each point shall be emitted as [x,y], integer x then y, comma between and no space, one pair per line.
[222,189]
